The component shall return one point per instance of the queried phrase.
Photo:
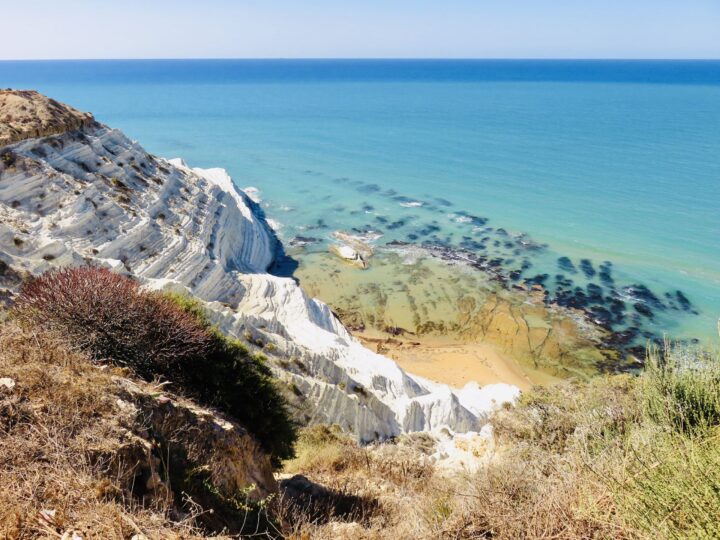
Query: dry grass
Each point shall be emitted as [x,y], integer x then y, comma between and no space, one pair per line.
[618,457]
[58,454]
[527,492]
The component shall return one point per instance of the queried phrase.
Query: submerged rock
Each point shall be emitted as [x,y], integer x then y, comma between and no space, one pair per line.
[348,254]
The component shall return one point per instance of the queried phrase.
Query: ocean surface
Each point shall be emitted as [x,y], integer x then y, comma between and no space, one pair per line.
[598,179]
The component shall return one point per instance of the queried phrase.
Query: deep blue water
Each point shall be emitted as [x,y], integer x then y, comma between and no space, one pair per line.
[613,161]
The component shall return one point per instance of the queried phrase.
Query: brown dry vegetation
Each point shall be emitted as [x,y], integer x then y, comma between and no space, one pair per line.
[619,457]
[61,466]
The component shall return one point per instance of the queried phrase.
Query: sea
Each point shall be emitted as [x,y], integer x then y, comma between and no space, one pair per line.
[599,180]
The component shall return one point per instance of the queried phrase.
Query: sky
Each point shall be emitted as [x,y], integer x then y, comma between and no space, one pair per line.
[54,29]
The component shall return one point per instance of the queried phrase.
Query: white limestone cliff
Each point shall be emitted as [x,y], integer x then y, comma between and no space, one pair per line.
[92,195]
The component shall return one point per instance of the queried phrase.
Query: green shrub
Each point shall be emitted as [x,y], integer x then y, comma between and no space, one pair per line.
[241,383]
[671,487]
[681,389]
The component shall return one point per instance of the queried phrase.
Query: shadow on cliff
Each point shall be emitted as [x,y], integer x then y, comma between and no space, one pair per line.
[283,265]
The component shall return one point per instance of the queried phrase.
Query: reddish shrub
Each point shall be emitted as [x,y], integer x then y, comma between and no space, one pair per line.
[109,317]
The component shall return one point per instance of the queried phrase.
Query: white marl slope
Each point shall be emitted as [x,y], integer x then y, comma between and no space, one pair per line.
[94,196]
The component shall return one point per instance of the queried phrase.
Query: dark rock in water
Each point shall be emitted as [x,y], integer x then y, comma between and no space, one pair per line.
[368,207]
[602,316]
[644,310]
[625,337]
[641,292]
[342,180]
[501,232]
[566,265]
[369,188]
[339,208]
[683,300]
[366,230]
[587,268]
[595,294]
[397,224]
[562,281]
[606,278]
[616,305]
[526,264]
[605,273]
[539,279]
[509,245]
[496,243]
[443,202]
[469,243]
[403,199]
[412,236]
[528,244]
[390,193]
[319,224]
[477,221]
[381,219]
[580,298]
[303,241]
[515,275]
[397,243]
[429,229]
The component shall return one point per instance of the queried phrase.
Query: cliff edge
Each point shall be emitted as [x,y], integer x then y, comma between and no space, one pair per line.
[26,114]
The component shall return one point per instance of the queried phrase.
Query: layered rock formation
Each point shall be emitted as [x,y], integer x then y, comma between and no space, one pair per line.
[87,194]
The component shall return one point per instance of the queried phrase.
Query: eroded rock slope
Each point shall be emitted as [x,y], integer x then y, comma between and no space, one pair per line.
[84,193]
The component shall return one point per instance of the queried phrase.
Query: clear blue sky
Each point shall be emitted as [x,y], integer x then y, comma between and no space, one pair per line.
[360,28]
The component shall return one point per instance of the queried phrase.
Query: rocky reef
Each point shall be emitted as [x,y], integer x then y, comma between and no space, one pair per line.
[75,192]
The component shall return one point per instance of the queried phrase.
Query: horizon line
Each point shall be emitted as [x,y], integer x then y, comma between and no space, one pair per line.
[369,58]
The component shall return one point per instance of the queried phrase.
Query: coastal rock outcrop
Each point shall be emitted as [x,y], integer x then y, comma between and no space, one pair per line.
[83,193]
[26,114]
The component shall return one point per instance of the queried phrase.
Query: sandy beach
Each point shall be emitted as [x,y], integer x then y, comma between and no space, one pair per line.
[453,362]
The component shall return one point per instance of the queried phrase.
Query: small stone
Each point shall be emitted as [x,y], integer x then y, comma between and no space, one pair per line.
[7,382]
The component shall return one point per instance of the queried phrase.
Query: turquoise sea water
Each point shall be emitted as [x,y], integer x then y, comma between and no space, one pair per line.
[598,160]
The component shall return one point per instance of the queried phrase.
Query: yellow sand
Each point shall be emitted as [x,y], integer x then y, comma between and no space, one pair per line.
[454,363]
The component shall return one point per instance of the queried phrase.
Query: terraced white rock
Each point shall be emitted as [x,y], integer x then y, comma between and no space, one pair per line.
[94,196]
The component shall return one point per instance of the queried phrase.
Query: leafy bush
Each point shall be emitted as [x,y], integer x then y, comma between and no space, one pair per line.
[242,384]
[681,389]
[111,318]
